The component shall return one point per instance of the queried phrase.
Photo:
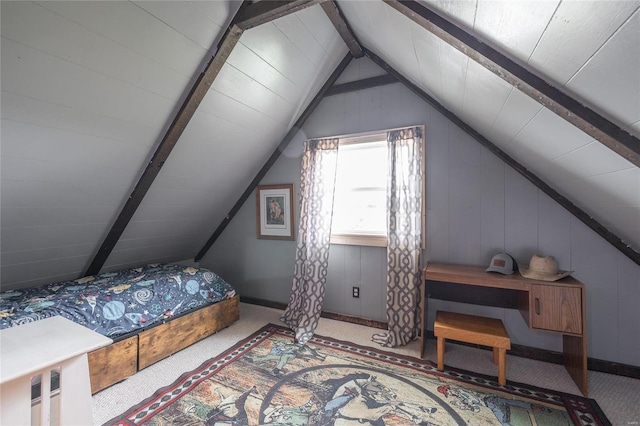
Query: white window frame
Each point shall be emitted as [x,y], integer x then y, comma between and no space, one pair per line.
[371,240]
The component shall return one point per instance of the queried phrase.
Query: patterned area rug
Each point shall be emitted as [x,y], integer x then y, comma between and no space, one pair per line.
[267,379]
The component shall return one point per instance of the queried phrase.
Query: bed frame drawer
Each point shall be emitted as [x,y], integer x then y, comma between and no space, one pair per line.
[166,339]
[104,372]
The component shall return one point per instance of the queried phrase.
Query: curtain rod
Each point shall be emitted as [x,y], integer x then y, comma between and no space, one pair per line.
[367,134]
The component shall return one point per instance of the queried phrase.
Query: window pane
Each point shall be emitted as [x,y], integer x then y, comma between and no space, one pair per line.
[360,212]
[360,195]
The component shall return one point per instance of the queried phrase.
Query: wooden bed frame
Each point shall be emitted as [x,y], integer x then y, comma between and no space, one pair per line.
[121,359]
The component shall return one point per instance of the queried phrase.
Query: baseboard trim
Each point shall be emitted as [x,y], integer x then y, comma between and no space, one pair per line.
[323,314]
[517,350]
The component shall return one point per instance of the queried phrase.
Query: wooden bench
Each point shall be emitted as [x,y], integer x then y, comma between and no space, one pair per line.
[473,329]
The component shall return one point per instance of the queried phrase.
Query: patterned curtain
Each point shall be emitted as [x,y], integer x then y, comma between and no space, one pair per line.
[404,203]
[319,162]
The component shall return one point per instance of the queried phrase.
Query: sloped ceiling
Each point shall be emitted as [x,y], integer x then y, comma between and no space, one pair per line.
[90,88]
[589,49]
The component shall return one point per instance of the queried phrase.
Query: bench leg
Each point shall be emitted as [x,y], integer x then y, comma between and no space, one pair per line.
[441,341]
[502,366]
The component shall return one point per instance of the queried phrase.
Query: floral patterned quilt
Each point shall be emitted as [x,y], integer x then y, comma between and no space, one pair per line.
[117,303]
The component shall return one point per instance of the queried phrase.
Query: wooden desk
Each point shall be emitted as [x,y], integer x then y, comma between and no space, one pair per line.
[557,307]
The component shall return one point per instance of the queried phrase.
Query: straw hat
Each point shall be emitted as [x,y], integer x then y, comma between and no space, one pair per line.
[543,268]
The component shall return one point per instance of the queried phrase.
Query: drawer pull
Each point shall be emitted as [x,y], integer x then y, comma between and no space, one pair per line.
[537,306]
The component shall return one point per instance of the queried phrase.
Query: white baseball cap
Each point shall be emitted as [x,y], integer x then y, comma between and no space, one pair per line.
[502,263]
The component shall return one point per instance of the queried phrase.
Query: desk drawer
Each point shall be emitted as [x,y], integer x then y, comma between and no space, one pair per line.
[556,308]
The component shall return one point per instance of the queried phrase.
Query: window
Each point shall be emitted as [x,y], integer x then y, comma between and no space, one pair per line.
[360,197]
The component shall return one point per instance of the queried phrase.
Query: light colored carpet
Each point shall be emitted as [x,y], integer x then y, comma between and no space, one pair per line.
[619,397]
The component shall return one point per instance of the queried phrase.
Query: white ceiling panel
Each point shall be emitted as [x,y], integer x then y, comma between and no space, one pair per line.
[460,12]
[361,19]
[241,87]
[590,160]
[48,195]
[613,198]
[603,192]
[320,28]
[270,44]
[218,11]
[621,219]
[395,40]
[517,111]
[223,107]
[427,47]
[14,217]
[545,138]
[49,32]
[453,66]
[295,30]
[35,74]
[484,97]
[44,254]
[36,237]
[575,33]
[243,58]
[67,149]
[610,80]
[188,19]
[55,116]
[514,26]
[127,24]
[620,188]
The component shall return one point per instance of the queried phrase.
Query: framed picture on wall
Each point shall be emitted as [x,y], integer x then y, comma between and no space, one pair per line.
[274,212]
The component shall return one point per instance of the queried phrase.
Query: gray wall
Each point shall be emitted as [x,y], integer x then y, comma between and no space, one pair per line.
[476,206]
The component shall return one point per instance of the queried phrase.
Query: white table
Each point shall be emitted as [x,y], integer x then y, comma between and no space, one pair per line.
[38,348]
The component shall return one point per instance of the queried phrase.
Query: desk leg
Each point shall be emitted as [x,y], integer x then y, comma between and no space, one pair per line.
[15,402]
[575,360]
[75,392]
[423,317]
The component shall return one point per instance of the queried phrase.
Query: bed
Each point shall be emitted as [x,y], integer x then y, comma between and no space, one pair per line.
[150,313]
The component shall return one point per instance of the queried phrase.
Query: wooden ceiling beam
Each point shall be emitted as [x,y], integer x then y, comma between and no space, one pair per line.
[510,161]
[179,123]
[342,26]
[276,154]
[587,120]
[365,83]
[265,11]
[249,15]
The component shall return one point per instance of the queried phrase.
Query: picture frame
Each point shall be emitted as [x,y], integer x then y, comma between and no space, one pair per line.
[274,212]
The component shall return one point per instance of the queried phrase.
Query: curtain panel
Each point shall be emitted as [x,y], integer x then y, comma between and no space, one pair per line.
[317,184]
[404,205]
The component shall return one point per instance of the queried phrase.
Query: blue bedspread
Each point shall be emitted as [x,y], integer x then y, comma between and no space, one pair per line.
[116,303]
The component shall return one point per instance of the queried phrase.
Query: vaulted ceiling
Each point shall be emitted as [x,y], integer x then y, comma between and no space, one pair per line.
[98,110]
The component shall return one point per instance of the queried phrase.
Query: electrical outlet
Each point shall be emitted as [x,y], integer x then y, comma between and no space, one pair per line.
[356,292]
